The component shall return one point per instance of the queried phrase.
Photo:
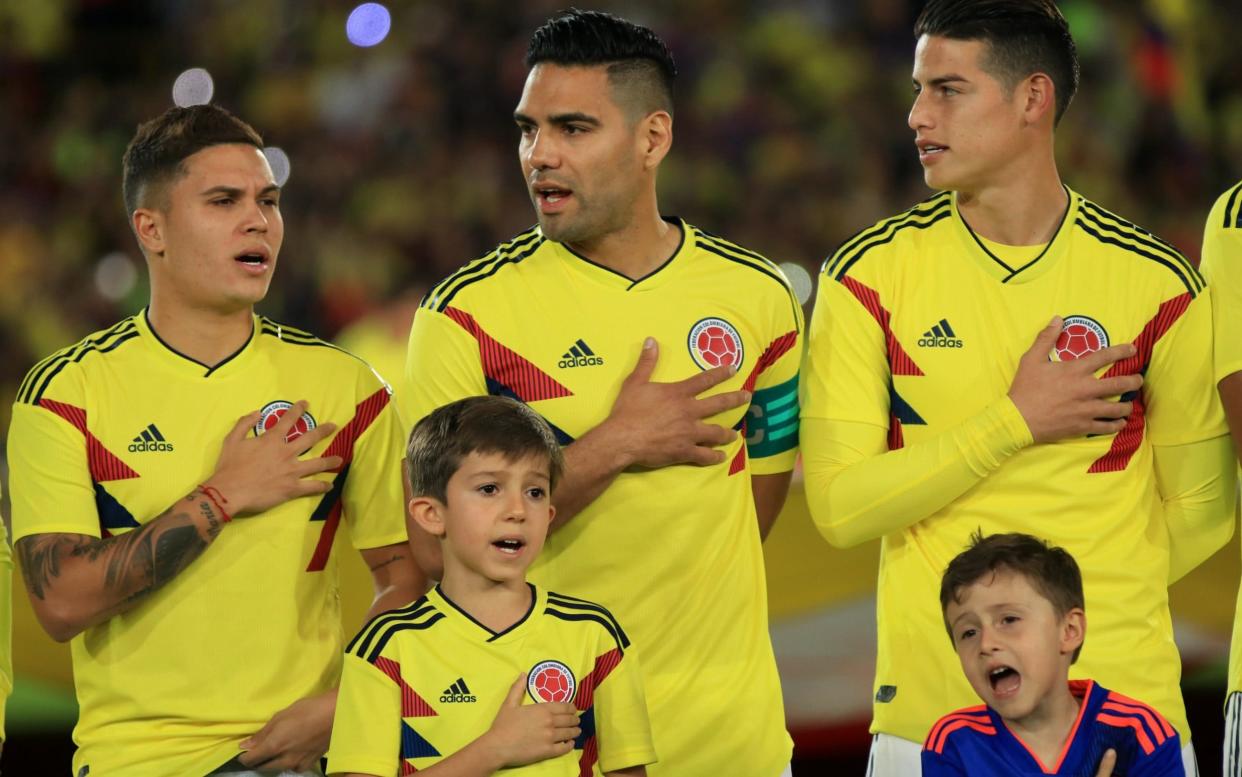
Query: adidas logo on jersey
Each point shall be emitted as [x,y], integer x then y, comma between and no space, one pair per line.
[457,693]
[150,439]
[940,336]
[580,355]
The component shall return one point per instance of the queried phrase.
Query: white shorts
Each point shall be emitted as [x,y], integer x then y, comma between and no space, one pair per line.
[1232,760]
[896,757]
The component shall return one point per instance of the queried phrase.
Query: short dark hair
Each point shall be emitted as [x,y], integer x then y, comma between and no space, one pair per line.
[1023,37]
[156,156]
[450,433]
[638,62]
[1050,570]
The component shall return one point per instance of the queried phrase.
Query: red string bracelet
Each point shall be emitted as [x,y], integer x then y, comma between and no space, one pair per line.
[216,498]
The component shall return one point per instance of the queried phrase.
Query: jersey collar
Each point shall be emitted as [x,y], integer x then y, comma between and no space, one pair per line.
[994,266]
[465,623]
[187,366]
[1086,690]
[613,279]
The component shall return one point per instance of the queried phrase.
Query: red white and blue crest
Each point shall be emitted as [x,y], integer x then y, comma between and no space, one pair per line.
[1080,335]
[714,342]
[271,413]
[551,681]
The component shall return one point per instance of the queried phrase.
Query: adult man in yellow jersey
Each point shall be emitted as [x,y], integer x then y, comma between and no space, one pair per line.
[1222,266]
[930,414]
[187,553]
[663,505]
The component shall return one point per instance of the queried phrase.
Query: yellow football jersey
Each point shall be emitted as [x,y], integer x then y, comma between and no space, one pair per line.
[918,329]
[674,552]
[422,682]
[106,435]
[1222,266]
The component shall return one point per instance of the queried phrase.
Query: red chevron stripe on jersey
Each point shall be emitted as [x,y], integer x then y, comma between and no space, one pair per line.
[104,465]
[1159,726]
[775,350]
[1126,442]
[586,697]
[412,705]
[974,717]
[505,366]
[407,768]
[342,445]
[899,361]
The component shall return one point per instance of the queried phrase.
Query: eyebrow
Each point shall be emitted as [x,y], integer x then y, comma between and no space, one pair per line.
[559,118]
[952,78]
[235,193]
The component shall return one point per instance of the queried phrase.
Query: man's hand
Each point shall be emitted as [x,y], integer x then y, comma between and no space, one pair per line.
[1107,763]
[262,472]
[523,734]
[1059,400]
[295,738]
[659,424]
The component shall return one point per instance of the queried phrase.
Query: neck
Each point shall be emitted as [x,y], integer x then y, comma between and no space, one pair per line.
[635,250]
[1046,729]
[208,337]
[496,605]
[1023,207]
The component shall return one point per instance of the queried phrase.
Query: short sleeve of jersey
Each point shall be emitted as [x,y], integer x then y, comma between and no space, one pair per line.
[622,728]
[49,473]
[1182,403]
[946,763]
[366,732]
[442,365]
[1164,761]
[1222,266]
[374,498]
[846,376]
[773,417]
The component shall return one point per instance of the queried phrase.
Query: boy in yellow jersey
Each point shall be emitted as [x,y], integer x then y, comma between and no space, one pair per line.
[429,689]
[177,481]
[664,503]
[1222,266]
[929,413]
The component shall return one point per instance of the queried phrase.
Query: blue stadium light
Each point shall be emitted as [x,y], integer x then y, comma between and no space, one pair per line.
[278,160]
[368,24]
[193,87]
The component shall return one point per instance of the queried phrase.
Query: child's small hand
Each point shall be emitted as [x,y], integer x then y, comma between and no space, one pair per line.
[524,734]
[1107,763]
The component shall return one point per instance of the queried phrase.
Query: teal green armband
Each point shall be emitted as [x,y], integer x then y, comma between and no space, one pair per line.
[772,420]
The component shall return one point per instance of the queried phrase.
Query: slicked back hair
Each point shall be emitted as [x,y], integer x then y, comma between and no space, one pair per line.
[1050,570]
[441,441]
[1023,37]
[640,67]
[156,156]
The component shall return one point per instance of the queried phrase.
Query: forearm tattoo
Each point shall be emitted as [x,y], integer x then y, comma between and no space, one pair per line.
[135,564]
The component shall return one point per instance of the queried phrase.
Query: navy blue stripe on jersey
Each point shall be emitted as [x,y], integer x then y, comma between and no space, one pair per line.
[733,253]
[40,376]
[512,252]
[520,241]
[1115,238]
[1233,218]
[930,206]
[573,604]
[1143,237]
[324,508]
[382,639]
[415,609]
[841,268]
[292,336]
[112,514]
[588,616]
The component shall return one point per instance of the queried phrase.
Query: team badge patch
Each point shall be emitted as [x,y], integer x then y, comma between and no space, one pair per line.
[551,681]
[1080,336]
[714,342]
[271,413]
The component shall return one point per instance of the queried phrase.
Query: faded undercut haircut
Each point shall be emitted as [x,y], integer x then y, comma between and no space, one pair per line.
[155,158]
[450,433]
[1023,37]
[1050,570]
[640,67]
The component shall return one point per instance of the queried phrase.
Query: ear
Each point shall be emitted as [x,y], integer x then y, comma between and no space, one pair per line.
[1039,99]
[428,513]
[148,225]
[551,514]
[1073,630]
[656,136]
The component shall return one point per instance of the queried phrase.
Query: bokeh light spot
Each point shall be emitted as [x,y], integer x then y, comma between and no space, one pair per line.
[368,24]
[193,87]
[115,276]
[800,279]
[278,160]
